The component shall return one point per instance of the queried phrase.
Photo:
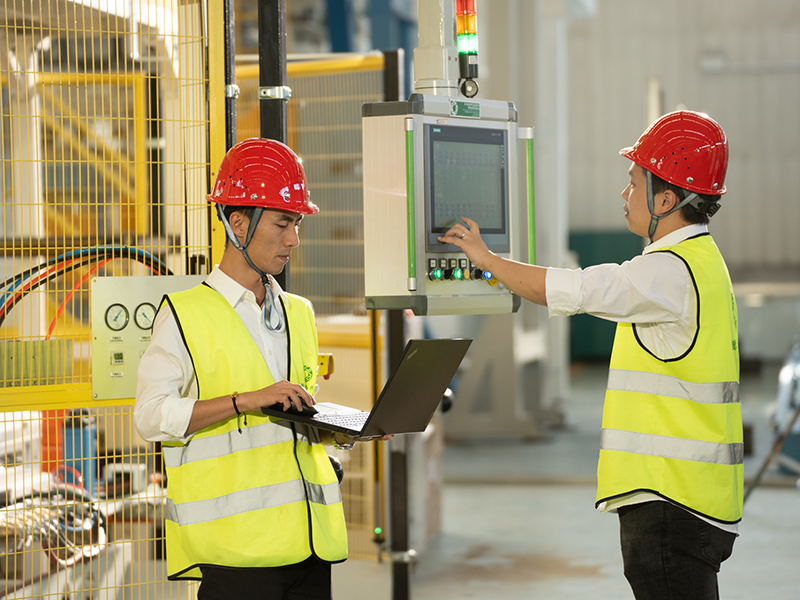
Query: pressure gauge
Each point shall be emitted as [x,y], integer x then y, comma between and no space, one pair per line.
[117,317]
[143,315]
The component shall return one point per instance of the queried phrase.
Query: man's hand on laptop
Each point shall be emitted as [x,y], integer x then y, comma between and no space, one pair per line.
[342,441]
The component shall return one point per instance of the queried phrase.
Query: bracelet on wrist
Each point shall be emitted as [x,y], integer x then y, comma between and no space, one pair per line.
[238,414]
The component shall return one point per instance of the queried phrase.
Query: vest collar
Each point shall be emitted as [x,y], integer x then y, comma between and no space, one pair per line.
[676,237]
[232,290]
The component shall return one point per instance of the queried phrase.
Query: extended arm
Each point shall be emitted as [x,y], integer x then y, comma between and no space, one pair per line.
[527,281]
[651,288]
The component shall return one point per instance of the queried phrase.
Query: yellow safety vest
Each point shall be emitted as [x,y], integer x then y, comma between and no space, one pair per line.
[674,427]
[267,497]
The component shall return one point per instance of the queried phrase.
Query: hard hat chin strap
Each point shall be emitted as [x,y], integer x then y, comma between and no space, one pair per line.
[248,238]
[270,308]
[654,219]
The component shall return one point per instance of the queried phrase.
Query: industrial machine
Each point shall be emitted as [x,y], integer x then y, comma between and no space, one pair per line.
[431,160]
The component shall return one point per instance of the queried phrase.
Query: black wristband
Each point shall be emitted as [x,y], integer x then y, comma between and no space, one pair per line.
[238,414]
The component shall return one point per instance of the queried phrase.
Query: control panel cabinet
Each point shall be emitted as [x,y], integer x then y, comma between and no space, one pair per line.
[428,162]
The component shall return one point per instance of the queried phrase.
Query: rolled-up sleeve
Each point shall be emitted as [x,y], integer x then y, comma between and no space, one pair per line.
[165,395]
[651,288]
[563,292]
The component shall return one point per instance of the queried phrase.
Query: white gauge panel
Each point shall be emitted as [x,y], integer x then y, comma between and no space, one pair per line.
[123,311]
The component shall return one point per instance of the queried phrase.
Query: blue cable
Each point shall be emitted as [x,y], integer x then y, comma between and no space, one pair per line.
[22,277]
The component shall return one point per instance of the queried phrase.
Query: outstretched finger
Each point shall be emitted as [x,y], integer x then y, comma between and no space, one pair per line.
[472,225]
[457,232]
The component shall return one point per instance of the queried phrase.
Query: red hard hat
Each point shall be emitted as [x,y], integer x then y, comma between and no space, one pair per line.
[262,173]
[686,148]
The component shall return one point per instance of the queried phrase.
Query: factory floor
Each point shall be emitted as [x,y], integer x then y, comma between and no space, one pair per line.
[519,519]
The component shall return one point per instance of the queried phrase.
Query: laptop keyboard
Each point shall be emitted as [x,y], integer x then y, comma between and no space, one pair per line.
[350,421]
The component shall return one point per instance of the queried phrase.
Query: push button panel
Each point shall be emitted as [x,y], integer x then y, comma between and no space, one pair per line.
[457,268]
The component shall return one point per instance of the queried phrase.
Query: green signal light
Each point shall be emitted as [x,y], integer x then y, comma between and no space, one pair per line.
[458,274]
[378,531]
[467,43]
[437,273]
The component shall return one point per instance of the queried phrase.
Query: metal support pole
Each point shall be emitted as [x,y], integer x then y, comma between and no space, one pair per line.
[273,91]
[272,79]
[402,556]
[398,480]
[231,89]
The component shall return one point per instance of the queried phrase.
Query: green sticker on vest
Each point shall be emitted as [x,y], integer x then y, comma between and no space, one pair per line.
[308,373]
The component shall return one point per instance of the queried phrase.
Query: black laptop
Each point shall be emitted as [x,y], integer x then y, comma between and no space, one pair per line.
[408,400]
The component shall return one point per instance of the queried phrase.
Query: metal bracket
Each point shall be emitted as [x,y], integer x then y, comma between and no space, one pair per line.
[280,92]
[231,90]
[408,557]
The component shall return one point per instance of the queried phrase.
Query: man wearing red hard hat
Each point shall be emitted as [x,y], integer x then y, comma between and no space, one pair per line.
[671,451]
[254,508]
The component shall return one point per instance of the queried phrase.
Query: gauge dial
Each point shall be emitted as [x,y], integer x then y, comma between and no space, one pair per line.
[143,315]
[117,317]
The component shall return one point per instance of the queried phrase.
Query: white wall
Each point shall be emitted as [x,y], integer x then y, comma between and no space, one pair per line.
[737,60]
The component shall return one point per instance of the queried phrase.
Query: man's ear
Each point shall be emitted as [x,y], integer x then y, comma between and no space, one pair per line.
[239,224]
[668,202]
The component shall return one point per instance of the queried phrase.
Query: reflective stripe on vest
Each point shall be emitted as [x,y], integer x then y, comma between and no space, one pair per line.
[266,497]
[201,511]
[206,447]
[668,447]
[673,426]
[664,385]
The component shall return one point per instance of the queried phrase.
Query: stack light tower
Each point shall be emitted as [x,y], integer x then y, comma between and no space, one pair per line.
[467,40]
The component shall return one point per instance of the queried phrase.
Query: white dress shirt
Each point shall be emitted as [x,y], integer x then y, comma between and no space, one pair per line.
[653,290]
[167,386]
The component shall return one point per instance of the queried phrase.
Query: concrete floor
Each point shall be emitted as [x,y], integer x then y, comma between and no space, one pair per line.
[547,542]
[519,518]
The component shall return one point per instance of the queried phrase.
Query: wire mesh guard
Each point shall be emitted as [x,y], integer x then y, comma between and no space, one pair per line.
[104,161]
[104,167]
[325,125]
[103,170]
[90,524]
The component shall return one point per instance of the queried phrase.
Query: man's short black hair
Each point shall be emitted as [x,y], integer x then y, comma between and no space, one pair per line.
[247,211]
[689,213]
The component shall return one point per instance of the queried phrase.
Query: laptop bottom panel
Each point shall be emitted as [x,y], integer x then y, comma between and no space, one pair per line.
[350,423]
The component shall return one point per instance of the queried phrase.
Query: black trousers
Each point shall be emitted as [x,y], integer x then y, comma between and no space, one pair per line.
[669,554]
[310,580]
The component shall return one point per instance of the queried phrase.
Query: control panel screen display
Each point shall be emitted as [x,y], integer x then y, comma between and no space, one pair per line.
[467,176]
[467,182]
